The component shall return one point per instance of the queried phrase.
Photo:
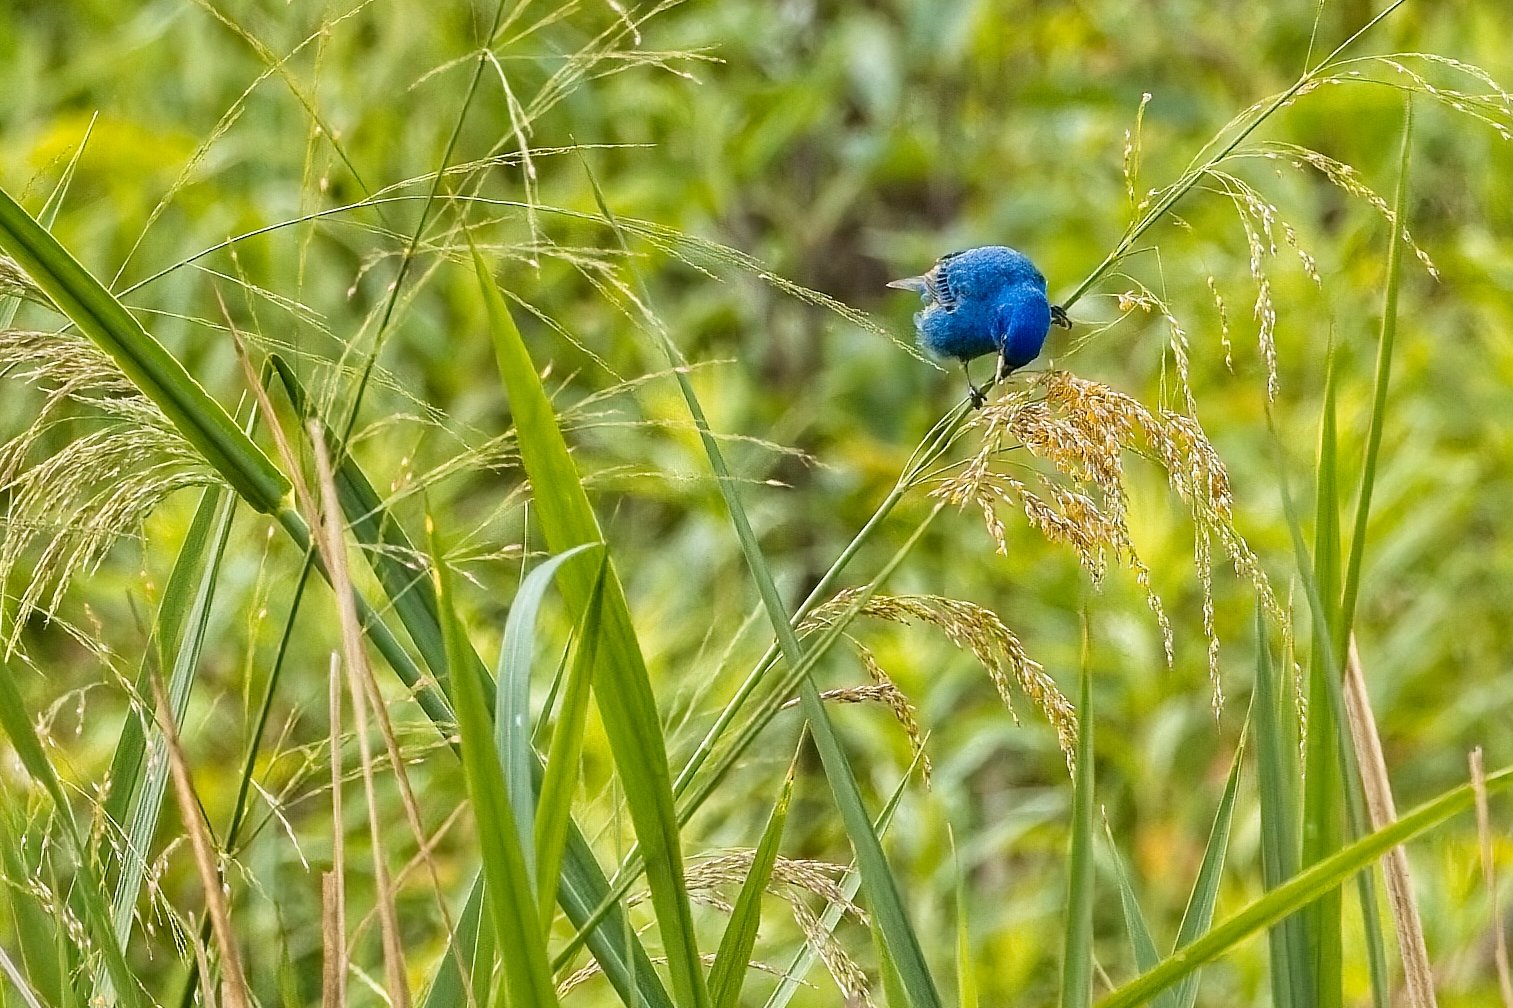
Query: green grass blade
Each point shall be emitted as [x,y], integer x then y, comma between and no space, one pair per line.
[1077,954]
[878,879]
[47,957]
[395,560]
[473,943]
[734,955]
[621,687]
[512,703]
[131,747]
[793,976]
[159,376]
[17,725]
[1277,779]
[527,978]
[191,617]
[1142,945]
[966,975]
[565,755]
[1384,348]
[1299,891]
[1205,895]
[1322,786]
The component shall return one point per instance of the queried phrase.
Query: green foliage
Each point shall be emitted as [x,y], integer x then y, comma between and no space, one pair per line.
[714,493]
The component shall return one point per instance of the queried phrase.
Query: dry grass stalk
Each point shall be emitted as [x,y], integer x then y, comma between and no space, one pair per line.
[1489,876]
[1418,975]
[234,993]
[330,539]
[333,882]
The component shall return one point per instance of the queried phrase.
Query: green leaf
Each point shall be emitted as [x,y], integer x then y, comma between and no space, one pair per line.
[1300,891]
[1384,347]
[565,755]
[527,977]
[512,704]
[155,372]
[734,956]
[177,614]
[1205,895]
[17,725]
[1277,779]
[1142,945]
[621,687]
[1322,786]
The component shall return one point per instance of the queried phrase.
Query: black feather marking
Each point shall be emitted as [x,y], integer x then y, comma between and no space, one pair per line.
[939,286]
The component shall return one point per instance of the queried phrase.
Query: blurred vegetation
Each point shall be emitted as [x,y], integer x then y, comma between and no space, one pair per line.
[839,145]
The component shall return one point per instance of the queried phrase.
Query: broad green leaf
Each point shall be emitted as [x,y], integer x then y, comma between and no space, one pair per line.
[512,703]
[527,977]
[621,687]
[156,373]
[565,755]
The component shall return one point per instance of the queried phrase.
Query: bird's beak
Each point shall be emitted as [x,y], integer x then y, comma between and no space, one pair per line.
[915,284]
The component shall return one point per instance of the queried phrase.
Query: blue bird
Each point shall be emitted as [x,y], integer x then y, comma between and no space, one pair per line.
[984,300]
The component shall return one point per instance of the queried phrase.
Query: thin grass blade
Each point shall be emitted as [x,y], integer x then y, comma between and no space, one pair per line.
[401,569]
[1205,895]
[17,725]
[734,955]
[1322,787]
[1077,954]
[966,975]
[1277,790]
[1142,945]
[1300,891]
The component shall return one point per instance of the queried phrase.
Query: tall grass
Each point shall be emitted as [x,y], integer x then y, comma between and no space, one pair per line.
[646,788]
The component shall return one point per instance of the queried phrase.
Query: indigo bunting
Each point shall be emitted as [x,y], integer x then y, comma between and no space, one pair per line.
[984,300]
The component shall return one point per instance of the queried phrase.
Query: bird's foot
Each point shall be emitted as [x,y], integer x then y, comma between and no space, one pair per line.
[1060,317]
[976,395]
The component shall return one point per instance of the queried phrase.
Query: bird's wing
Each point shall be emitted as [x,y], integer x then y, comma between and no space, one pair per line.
[938,285]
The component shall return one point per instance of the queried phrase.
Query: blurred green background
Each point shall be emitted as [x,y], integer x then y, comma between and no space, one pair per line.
[841,145]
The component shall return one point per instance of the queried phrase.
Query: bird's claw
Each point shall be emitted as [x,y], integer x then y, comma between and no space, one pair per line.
[1060,317]
[977,396]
